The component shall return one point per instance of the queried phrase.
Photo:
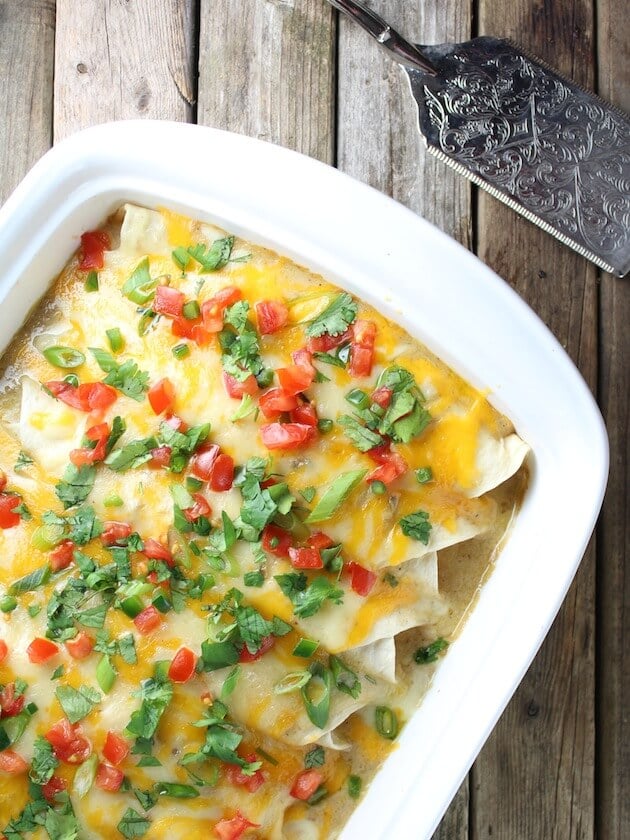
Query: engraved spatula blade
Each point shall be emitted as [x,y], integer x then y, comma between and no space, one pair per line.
[550,150]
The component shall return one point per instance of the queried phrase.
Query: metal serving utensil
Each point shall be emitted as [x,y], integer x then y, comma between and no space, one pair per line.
[550,150]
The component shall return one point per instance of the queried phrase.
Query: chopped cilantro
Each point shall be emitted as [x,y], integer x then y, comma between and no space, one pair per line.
[76,484]
[44,761]
[77,704]
[335,495]
[126,377]
[133,824]
[214,257]
[362,437]
[23,460]
[315,757]
[430,653]
[139,286]
[155,694]
[308,598]
[417,526]
[335,318]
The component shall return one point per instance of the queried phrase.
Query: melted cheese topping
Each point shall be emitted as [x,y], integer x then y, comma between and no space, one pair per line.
[469,447]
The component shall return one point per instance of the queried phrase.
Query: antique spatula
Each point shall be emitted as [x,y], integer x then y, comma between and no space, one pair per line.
[553,152]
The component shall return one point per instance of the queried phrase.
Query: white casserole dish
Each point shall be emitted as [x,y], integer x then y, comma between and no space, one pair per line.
[438,291]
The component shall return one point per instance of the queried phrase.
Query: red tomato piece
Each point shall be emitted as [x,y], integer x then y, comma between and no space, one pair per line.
[361,359]
[236,389]
[275,401]
[4,650]
[161,395]
[286,435]
[320,540]
[94,243]
[81,646]
[10,705]
[202,461]
[12,763]
[115,532]
[295,378]
[161,456]
[99,435]
[303,358]
[305,784]
[116,748]
[148,620]
[41,650]
[53,786]
[361,579]
[380,454]
[183,328]
[306,558]
[89,396]
[382,396]
[236,776]
[108,778]
[200,335]
[9,519]
[68,742]
[272,315]
[183,665]
[168,301]
[392,465]
[61,556]
[265,645]
[212,310]
[222,473]
[276,540]
[200,508]
[233,828]
[155,550]
[364,333]
[324,343]
[306,414]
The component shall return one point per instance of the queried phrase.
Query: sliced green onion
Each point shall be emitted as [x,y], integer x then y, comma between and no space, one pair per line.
[335,495]
[147,319]
[34,610]
[91,282]
[161,603]
[181,258]
[193,484]
[180,351]
[116,340]
[176,790]
[358,398]
[386,722]
[113,500]
[181,496]
[305,648]
[320,793]
[46,537]
[64,357]
[308,493]
[191,310]
[230,682]
[8,603]
[215,655]
[105,674]
[72,379]
[316,694]
[266,756]
[324,425]
[132,606]
[345,679]
[378,488]
[292,682]
[85,775]
[30,582]
[140,287]
[355,784]
[424,474]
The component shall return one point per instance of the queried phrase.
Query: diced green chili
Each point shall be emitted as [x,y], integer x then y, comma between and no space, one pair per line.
[379,488]
[424,474]
[181,351]
[358,398]
[105,674]
[64,357]
[116,340]
[293,681]
[191,310]
[91,282]
[8,604]
[386,722]
[305,648]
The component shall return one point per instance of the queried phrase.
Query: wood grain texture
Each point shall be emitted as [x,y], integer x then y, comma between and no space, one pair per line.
[266,69]
[535,777]
[27,29]
[123,59]
[613,807]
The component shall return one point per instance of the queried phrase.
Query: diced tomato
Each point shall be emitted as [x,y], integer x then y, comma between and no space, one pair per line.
[61,556]
[235,775]
[182,666]
[183,328]
[265,645]
[161,395]
[115,532]
[68,742]
[361,579]
[382,396]
[155,550]
[236,389]
[392,465]
[362,348]
[9,519]
[176,423]
[53,786]
[222,473]
[94,243]
[168,301]
[233,828]
[276,540]
[89,396]
[303,358]
[364,333]
[148,620]
[324,343]
[320,540]
[10,704]
[212,310]
[286,435]
[12,763]
[109,778]
[295,378]
[202,461]
[99,434]
[306,558]
[161,456]
[4,650]
[381,453]
[200,508]
[116,748]
[41,650]
[275,401]
[272,315]
[81,646]
[200,335]
[306,414]
[306,783]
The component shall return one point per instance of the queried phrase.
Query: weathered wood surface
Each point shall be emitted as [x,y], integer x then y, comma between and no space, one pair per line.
[613,603]
[282,71]
[27,29]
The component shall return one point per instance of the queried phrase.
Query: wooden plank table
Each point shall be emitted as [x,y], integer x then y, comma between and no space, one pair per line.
[558,762]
